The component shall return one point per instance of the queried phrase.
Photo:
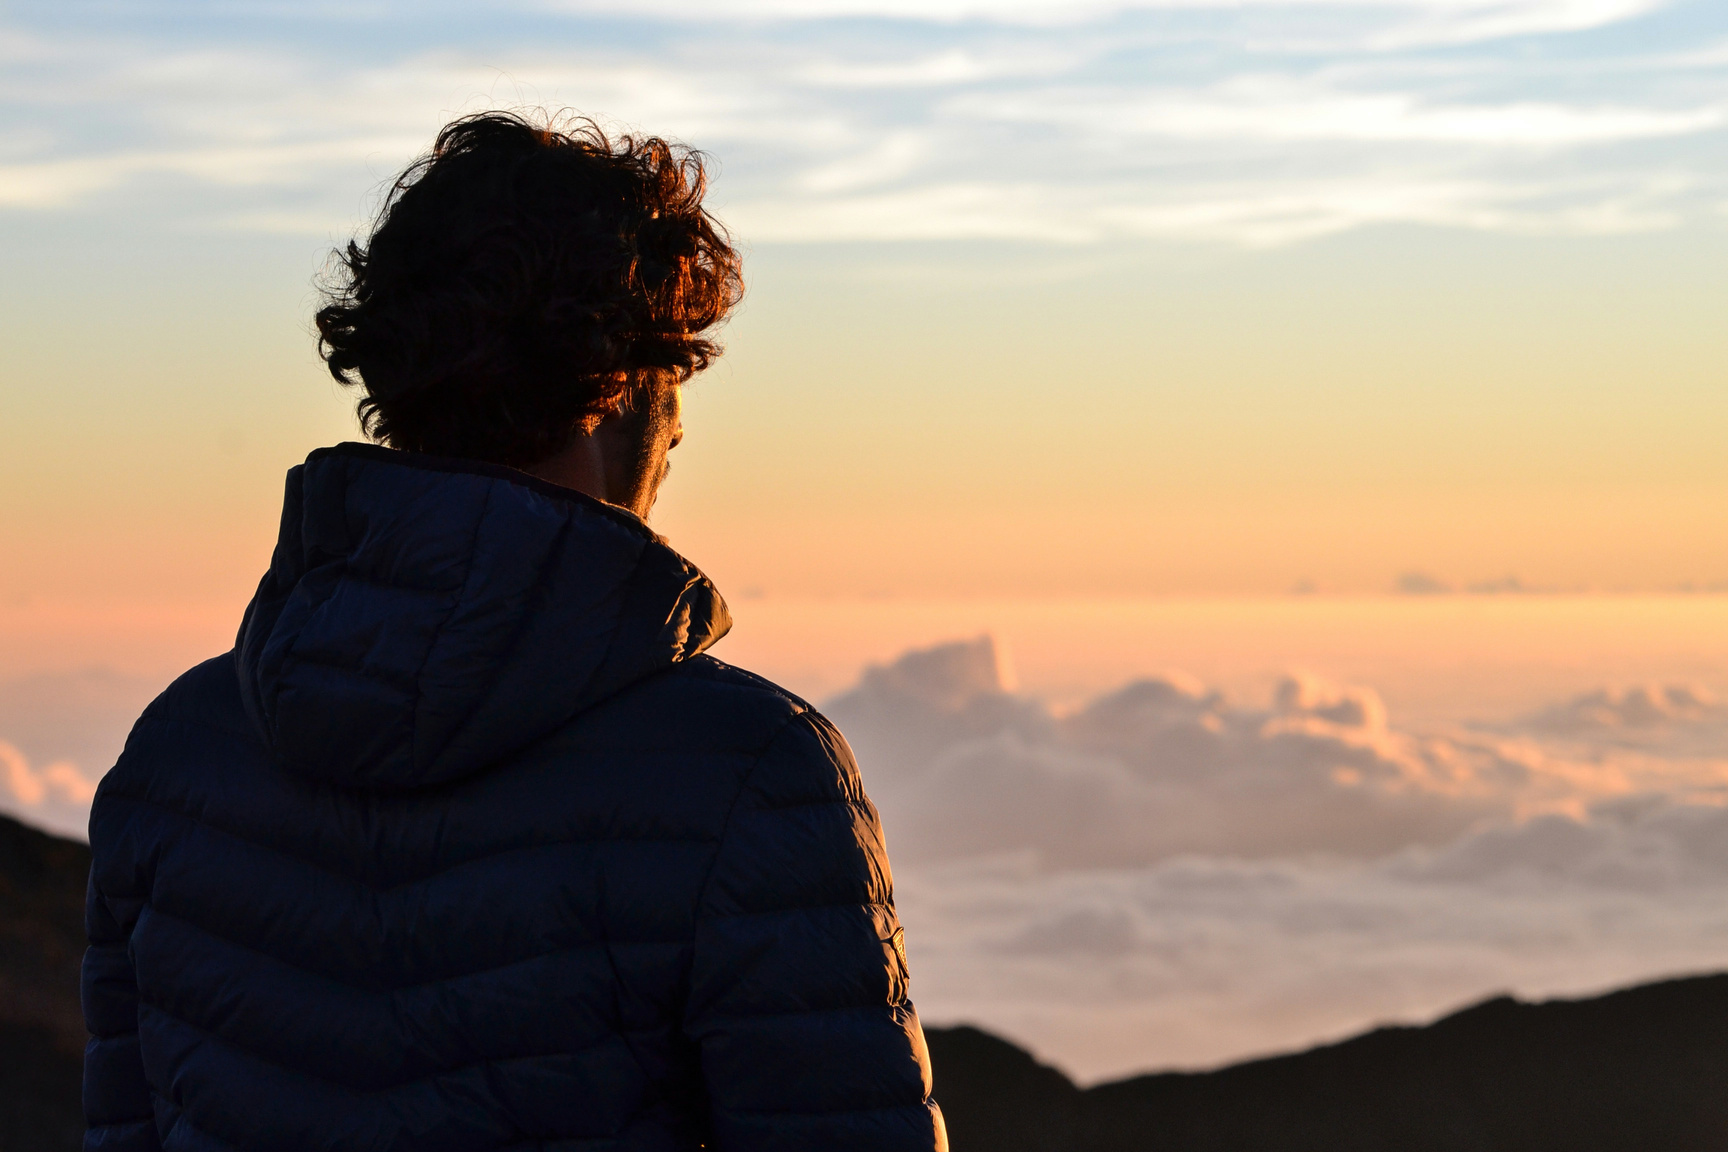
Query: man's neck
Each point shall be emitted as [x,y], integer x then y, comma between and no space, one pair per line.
[581,465]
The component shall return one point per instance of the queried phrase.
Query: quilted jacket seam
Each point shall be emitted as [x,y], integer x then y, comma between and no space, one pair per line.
[383,676]
[844,801]
[391,989]
[180,1118]
[219,829]
[380,1090]
[732,808]
[153,718]
[922,1105]
[888,904]
[111,1125]
[365,577]
[831,1010]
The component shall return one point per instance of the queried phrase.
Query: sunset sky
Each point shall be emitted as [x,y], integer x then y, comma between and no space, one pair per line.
[1107,299]
[1357,372]
[1082,303]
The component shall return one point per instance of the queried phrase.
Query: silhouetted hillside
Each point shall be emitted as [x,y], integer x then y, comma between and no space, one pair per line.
[41,1029]
[1644,1070]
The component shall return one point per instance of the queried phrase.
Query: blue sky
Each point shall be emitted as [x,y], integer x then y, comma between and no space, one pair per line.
[1248,123]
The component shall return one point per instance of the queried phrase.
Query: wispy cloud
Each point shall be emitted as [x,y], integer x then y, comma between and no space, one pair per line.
[1247,121]
[1460,18]
[1253,109]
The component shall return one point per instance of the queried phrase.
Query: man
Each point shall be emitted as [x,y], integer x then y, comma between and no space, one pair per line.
[466,845]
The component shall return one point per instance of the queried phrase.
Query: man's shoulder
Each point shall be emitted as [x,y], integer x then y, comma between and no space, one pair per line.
[704,673]
[713,703]
[708,692]
[205,696]
[202,704]
[802,738]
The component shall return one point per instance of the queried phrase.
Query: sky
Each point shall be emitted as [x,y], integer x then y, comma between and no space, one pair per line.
[1113,299]
[1329,395]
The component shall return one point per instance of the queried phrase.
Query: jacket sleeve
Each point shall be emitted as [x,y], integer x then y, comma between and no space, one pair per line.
[798,995]
[117,1105]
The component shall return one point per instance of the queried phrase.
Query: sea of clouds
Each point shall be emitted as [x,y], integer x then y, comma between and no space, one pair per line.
[1163,876]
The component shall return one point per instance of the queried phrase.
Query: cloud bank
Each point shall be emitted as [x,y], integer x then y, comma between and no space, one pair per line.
[1163,767]
[1166,878]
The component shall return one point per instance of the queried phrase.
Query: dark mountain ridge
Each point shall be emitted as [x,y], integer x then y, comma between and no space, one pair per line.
[1643,1070]
[42,1035]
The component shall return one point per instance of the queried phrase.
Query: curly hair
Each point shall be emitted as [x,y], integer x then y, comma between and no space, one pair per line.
[522,282]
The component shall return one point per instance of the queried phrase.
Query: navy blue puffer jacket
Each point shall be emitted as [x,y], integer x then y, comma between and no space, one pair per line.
[466,846]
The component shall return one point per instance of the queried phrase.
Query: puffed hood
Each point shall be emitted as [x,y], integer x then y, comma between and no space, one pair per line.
[423,617]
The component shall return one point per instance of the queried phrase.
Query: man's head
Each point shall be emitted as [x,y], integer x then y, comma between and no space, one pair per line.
[531,295]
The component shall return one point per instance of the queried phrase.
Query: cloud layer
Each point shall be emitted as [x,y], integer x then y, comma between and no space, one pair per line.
[1163,767]
[1199,961]
[1164,877]
[1258,122]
